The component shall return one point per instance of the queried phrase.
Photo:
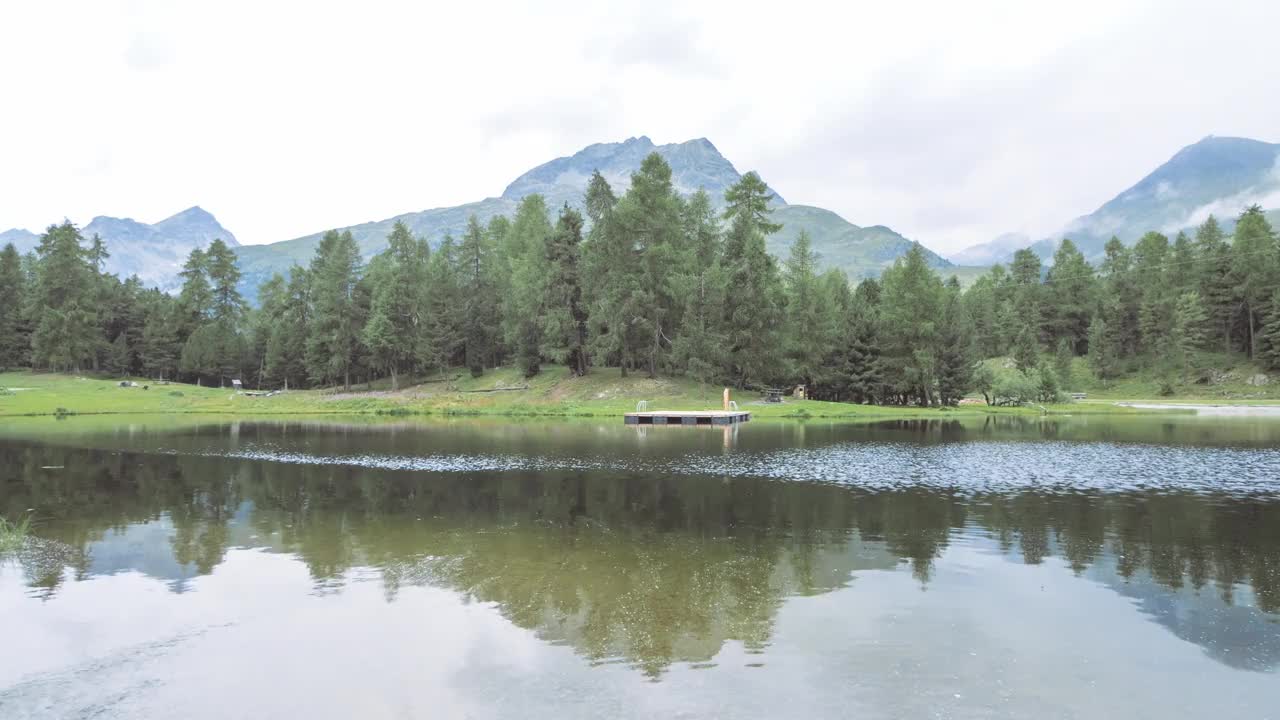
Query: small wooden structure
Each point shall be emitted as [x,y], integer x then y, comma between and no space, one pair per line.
[688,417]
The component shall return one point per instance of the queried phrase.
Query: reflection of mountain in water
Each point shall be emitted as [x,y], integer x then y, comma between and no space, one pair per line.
[652,569]
[1230,631]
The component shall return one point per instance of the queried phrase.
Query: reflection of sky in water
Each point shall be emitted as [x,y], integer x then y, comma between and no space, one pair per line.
[501,573]
[985,638]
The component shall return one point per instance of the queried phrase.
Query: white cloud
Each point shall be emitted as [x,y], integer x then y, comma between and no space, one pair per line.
[950,122]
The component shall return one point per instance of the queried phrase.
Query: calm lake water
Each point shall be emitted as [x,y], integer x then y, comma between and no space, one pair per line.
[1067,568]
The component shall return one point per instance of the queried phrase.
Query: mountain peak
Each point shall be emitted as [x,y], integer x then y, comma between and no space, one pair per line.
[695,165]
[1215,175]
[195,225]
[193,213]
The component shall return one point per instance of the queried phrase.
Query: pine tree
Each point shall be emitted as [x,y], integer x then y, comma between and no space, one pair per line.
[478,285]
[1071,293]
[1026,350]
[196,297]
[805,335]
[1189,329]
[284,361]
[522,306]
[980,305]
[65,334]
[911,310]
[1102,355]
[1122,299]
[443,308]
[119,356]
[856,374]
[648,217]
[753,303]
[395,330]
[227,304]
[1155,298]
[1213,273]
[955,355]
[1253,269]
[333,335]
[700,280]
[13,290]
[1063,357]
[1181,267]
[612,282]
[160,344]
[564,319]
[1269,342]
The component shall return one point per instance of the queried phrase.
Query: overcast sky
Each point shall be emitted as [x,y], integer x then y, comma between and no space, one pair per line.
[950,122]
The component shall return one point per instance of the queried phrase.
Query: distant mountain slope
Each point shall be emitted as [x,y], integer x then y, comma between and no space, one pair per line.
[860,251]
[22,240]
[695,164]
[155,253]
[1217,175]
[992,252]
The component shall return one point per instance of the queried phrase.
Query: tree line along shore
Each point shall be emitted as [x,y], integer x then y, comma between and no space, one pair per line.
[654,285]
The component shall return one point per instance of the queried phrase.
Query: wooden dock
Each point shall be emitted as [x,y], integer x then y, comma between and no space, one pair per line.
[688,417]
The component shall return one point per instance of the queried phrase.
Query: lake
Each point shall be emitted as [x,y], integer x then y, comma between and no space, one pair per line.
[1074,567]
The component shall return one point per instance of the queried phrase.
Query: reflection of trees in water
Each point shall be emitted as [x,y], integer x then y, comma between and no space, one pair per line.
[651,569]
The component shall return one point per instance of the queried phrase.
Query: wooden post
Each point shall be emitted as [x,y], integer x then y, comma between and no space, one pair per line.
[726,399]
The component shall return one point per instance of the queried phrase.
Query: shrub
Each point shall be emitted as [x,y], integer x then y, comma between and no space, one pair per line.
[1047,385]
[1013,387]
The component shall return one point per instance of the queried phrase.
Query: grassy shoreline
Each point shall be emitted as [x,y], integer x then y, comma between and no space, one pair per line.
[501,392]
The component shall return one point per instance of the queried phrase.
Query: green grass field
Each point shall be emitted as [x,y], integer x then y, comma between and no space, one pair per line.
[603,393]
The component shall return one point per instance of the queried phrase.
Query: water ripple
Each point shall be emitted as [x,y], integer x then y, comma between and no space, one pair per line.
[959,467]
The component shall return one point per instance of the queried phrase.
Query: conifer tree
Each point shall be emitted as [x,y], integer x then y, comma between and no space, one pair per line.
[1269,342]
[911,311]
[753,301]
[160,342]
[1071,294]
[443,308]
[955,355]
[1188,330]
[805,335]
[13,290]
[334,332]
[1102,348]
[700,279]
[395,331]
[612,281]
[1213,275]
[564,319]
[65,334]
[648,218]
[1123,298]
[1253,270]
[284,363]
[196,298]
[478,287]
[526,250]
[1026,351]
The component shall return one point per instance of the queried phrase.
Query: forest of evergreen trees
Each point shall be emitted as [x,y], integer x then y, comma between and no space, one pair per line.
[660,285]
